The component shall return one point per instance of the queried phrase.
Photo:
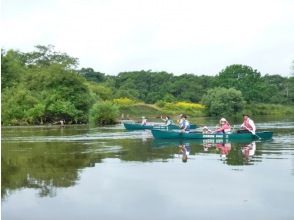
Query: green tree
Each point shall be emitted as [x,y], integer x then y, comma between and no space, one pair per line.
[223,102]
[100,91]
[243,78]
[12,68]
[103,113]
[46,55]
[91,75]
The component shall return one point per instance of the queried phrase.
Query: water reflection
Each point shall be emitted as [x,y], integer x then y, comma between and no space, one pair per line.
[50,165]
[230,153]
[184,150]
[248,150]
[47,159]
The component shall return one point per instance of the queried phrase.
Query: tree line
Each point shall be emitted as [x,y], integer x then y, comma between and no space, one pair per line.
[45,85]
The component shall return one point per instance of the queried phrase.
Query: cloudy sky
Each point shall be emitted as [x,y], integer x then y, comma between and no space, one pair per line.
[177,36]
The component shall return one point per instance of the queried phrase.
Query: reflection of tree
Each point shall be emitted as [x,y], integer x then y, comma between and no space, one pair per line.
[42,166]
[47,166]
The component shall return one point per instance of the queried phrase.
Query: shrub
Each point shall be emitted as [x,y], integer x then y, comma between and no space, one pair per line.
[193,109]
[223,102]
[190,106]
[104,113]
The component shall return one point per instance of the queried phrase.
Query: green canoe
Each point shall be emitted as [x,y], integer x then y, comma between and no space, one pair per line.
[174,134]
[137,126]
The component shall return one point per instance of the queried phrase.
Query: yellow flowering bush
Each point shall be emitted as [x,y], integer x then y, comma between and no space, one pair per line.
[189,105]
[124,101]
[192,109]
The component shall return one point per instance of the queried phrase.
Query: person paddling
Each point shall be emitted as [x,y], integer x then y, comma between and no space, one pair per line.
[248,124]
[167,120]
[224,127]
[184,124]
[144,121]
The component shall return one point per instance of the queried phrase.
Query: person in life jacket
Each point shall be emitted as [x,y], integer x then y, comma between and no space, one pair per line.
[184,124]
[248,124]
[224,127]
[167,120]
[144,121]
[206,130]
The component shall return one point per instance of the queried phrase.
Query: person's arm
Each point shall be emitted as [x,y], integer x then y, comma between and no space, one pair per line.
[242,125]
[219,129]
[252,125]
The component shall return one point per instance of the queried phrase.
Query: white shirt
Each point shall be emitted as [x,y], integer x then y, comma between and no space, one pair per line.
[251,122]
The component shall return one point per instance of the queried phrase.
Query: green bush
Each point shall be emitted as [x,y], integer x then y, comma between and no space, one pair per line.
[223,102]
[104,113]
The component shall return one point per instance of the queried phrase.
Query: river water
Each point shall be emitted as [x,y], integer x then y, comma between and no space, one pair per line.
[83,172]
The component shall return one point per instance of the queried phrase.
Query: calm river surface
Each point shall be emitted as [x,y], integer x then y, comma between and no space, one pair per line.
[81,172]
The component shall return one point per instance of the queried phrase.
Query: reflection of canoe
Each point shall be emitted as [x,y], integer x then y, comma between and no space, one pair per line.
[173,134]
[137,126]
[176,142]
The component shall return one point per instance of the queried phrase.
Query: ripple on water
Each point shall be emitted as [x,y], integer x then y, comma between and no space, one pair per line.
[84,137]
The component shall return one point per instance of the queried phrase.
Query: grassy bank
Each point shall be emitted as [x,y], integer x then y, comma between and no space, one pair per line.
[153,112]
[269,109]
[138,110]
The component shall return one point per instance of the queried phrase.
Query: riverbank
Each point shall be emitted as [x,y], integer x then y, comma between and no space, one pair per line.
[153,112]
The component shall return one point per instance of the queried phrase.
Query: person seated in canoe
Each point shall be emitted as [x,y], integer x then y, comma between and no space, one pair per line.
[248,125]
[167,120]
[144,121]
[184,124]
[180,120]
[224,127]
[206,130]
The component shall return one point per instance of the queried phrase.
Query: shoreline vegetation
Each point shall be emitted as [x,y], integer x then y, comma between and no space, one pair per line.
[44,87]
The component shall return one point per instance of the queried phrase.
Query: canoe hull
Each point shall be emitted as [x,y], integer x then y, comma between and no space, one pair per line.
[162,134]
[137,126]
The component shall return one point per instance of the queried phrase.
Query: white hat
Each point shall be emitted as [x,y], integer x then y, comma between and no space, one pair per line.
[223,119]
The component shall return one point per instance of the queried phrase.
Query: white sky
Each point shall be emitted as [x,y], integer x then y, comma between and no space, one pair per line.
[177,36]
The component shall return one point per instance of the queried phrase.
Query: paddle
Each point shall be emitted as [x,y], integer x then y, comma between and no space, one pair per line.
[251,132]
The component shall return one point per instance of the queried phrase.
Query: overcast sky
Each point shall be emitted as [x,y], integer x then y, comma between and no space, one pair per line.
[177,36]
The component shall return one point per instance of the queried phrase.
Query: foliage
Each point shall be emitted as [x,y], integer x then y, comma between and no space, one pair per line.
[103,113]
[45,93]
[192,109]
[43,86]
[223,102]
[12,68]
[124,101]
[243,78]
[99,91]
[269,109]
[140,109]
[188,105]
[91,75]
[46,56]
[151,87]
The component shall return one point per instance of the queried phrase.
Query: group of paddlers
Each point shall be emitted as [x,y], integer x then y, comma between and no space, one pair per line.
[223,126]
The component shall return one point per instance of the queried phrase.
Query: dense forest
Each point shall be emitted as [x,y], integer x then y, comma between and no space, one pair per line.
[44,86]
